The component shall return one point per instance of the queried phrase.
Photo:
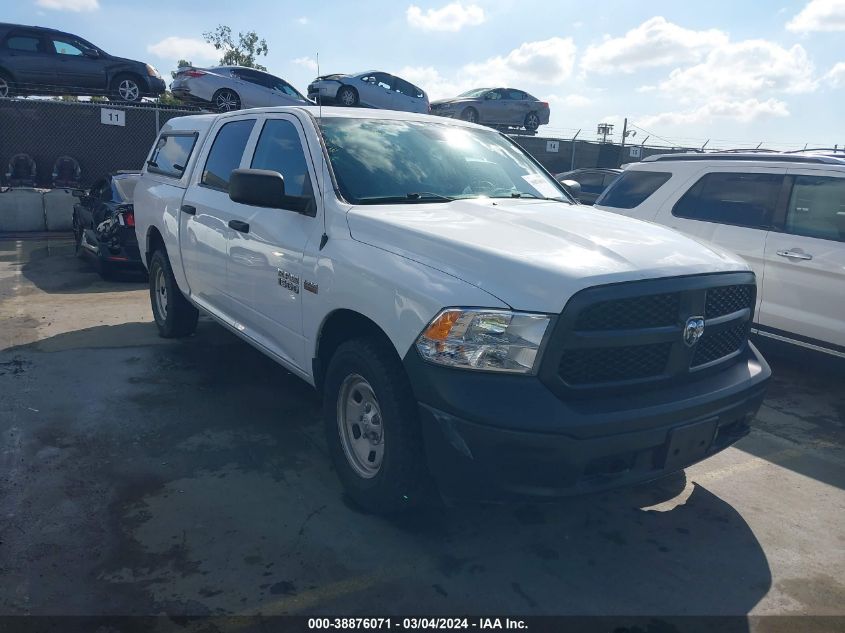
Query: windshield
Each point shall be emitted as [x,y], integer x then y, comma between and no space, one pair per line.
[377,161]
[476,92]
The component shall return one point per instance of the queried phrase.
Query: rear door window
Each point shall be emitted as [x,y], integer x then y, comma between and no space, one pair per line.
[633,188]
[226,152]
[740,199]
[171,153]
[26,43]
[817,208]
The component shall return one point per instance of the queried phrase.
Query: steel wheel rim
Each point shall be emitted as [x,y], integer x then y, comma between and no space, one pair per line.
[160,288]
[227,101]
[128,90]
[4,88]
[360,426]
[347,97]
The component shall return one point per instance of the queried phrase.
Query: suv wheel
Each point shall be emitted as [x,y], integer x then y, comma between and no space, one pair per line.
[126,88]
[174,315]
[470,114]
[532,121]
[5,86]
[372,427]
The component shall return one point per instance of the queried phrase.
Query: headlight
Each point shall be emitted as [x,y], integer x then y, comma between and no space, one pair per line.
[492,340]
[152,72]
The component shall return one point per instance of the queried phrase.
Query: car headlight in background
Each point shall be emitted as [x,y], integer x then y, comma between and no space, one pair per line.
[152,72]
[491,340]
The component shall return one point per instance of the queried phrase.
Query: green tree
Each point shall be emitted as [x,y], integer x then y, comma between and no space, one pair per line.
[167,98]
[244,53]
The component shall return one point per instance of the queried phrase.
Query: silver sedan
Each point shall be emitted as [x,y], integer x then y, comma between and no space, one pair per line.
[507,107]
[225,88]
[371,89]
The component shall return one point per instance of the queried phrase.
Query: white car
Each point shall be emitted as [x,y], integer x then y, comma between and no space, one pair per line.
[465,321]
[783,213]
[370,89]
[227,88]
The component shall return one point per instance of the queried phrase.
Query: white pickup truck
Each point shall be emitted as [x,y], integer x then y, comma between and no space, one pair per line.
[467,323]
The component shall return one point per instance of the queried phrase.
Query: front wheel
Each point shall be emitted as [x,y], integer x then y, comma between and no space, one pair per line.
[372,428]
[5,86]
[126,88]
[174,315]
[470,115]
[347,96]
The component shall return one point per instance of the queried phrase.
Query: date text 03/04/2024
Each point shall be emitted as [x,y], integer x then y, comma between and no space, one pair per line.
[417,623]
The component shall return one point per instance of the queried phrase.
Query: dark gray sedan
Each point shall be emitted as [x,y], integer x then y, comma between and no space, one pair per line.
[507,107]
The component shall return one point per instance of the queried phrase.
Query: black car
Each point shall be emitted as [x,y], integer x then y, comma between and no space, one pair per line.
[593,181]
[104,224]
[35,60]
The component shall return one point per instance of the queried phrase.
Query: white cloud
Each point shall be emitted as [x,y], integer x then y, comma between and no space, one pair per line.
[747,68]
[303,20]
[451,17]
[194,50]
[819,15]
[572,101]
[746,111]
[655,42]
[544,62]
[836,75]
[306,62]
[547,61]
[69,5]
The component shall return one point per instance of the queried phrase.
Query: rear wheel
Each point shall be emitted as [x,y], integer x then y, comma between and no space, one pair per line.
[126,88]
[226,100]
[532,121]
[372,427]
[174,315]
[470,114]
[77,236]
[347,96]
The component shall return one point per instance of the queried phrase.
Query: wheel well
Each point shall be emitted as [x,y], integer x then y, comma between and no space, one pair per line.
[154,242]
[131,75]
[6,73]
[341,326]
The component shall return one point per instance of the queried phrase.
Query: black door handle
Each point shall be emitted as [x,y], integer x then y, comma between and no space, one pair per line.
[190,210]
[237,225]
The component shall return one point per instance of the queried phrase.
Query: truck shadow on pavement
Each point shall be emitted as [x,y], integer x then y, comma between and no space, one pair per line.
[191,478]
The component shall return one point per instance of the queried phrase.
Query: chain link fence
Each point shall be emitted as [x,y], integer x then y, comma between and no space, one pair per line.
[48,143]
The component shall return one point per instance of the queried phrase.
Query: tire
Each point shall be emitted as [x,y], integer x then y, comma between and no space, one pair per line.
[532,121]
[174,315]
[126,88]
[470,115]
[366,376]
[77,237]
[5,86]
[347,96]
[226,100]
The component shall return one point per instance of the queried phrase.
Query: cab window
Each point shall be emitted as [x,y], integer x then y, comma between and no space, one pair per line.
[817,208]
[67,47]
[279,149]
[171,153]
[226,152]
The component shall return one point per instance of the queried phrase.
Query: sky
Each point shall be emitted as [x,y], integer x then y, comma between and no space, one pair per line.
[734,73]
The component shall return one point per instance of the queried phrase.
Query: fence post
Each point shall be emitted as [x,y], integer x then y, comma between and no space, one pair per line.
[158,125]
[572,161]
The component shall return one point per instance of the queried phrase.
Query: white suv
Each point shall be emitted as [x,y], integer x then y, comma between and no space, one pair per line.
[783,213]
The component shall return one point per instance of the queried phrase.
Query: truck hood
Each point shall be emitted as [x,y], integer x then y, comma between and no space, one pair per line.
[534,254]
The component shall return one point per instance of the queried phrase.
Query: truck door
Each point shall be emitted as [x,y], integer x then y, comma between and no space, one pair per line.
[207,212]
[265,258]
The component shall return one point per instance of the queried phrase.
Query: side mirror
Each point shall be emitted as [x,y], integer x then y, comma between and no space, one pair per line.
[573,187]
[90,52]
[266,188]
[78,193]
[257,187]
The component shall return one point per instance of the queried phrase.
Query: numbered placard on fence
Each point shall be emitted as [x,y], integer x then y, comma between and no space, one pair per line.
[112,117]
[552,146]
[635,152]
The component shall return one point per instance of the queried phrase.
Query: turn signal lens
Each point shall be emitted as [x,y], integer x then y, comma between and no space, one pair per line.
[491,340]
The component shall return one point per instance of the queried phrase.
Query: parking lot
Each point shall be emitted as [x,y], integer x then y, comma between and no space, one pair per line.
[141,475]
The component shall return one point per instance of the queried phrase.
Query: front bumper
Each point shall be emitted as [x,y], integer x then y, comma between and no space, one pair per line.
[496,436]
[324,90]
[155,86]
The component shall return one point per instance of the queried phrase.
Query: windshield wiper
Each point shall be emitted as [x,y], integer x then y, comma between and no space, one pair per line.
[523,194]
[414,197]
